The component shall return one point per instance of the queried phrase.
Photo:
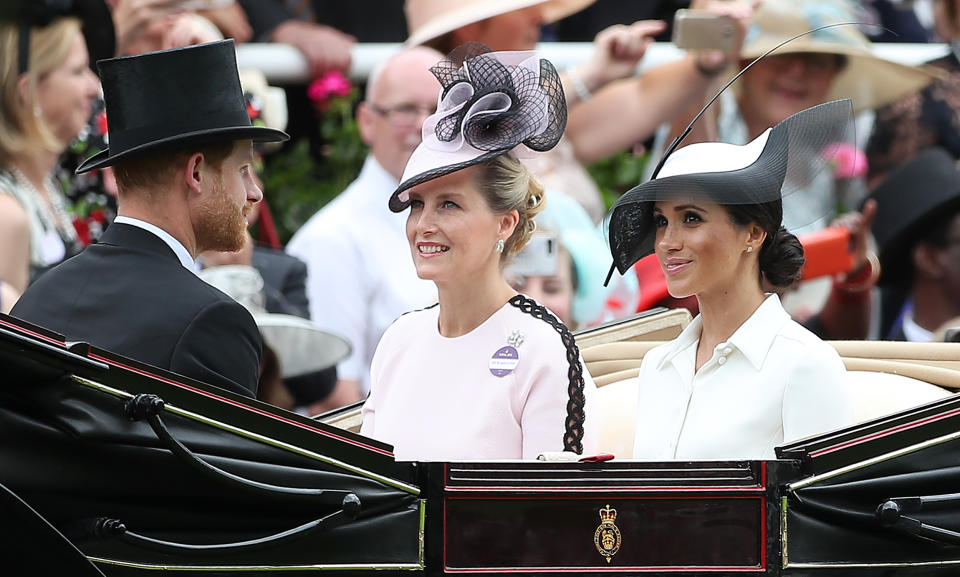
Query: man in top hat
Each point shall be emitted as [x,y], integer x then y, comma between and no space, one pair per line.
[917,227]
[181,146]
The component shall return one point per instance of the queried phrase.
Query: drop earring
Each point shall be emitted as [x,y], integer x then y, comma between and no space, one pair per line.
[37,111]
[499,247]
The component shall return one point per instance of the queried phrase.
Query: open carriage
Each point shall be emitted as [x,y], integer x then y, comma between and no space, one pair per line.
[110,466]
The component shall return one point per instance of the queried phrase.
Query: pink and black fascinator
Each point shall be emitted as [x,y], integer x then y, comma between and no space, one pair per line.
[492,103]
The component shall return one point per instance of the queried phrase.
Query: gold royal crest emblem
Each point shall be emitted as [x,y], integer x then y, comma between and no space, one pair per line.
[607,536]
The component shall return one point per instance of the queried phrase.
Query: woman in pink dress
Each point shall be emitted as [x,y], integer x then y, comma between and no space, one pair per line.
[486,373]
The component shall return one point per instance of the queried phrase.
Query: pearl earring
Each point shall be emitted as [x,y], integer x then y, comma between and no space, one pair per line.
[750,249]
[37,111]
[499,247]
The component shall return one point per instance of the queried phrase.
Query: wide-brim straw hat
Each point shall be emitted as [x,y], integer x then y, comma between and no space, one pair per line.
[300,345]
[430,19]
[868,80]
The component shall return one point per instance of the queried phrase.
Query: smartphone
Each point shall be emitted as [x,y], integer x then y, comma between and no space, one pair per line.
[702,30]
[826,252]
[204,4]
[538,258]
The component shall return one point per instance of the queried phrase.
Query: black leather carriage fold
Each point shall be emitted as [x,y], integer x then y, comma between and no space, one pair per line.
[882,497]
[143,471]
[195,479]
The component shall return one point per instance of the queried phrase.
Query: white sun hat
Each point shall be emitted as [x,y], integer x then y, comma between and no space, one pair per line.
[430,19]
[300,345]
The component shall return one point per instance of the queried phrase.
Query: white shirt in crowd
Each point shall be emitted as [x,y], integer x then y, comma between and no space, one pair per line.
[772,381]
[360,275]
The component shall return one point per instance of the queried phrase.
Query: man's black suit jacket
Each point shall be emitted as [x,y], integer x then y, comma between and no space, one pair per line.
[284,281]
[130,295]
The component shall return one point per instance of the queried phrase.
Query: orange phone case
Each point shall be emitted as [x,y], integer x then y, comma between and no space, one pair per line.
[827,252]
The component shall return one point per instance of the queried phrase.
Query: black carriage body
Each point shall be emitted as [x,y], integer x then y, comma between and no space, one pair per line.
[208,482]
[551,518]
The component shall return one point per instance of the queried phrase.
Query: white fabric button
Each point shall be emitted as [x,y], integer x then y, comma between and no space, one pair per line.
[722,360]
[727,351]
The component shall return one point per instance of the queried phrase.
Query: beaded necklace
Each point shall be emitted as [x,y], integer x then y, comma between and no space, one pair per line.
[52,211]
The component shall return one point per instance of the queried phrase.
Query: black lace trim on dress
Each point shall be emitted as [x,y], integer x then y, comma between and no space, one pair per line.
[573,431]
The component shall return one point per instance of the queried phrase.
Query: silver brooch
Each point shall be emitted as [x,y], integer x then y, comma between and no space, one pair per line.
[515,339]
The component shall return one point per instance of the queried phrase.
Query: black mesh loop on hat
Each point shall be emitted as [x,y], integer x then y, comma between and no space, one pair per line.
[792,157]
[531,112]
[485,76]
[557,109]
[522,122]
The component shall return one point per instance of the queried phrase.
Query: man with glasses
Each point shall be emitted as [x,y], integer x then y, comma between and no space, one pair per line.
[360,273]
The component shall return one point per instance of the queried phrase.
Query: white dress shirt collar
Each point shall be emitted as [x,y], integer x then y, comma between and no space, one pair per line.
[752,338]
[175,245]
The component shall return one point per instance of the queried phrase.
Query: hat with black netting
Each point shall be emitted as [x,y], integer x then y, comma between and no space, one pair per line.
[783,160]
[492,103]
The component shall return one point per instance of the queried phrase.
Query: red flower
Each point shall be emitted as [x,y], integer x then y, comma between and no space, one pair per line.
[83,231]
[101,122]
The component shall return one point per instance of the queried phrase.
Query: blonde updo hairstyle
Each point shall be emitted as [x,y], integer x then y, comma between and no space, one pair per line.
[20,129]
[507,185]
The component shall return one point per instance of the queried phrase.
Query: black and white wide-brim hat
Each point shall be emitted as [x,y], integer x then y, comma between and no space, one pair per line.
[492,103]
[783,160]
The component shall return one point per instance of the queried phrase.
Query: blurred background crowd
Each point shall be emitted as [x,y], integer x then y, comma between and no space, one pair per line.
[881,232]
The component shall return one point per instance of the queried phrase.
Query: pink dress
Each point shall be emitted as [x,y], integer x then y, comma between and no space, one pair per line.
[449,399]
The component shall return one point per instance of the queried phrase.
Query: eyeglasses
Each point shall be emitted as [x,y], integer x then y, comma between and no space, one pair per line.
[813,61]
[403,114]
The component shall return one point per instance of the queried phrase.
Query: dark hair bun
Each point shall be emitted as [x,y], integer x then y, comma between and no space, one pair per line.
[781,258]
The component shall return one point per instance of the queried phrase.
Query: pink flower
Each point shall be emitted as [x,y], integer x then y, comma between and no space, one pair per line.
[846,160]
[332,83]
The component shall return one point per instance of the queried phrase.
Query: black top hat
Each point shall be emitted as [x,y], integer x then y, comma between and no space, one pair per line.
[912,196]
[174,96]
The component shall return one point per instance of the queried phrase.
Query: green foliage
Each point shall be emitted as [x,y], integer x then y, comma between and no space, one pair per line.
[618,174]
[297,185]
